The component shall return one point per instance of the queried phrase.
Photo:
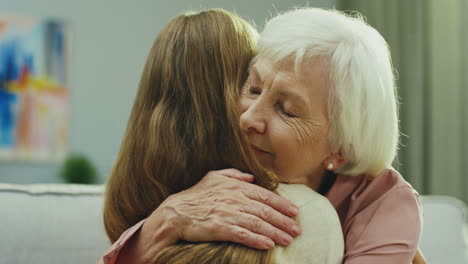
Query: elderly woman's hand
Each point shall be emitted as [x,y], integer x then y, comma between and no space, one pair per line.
[223,206]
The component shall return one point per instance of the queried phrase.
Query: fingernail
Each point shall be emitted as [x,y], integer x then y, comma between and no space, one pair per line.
[293,211]
[286,240]
[269,244]
[296,230]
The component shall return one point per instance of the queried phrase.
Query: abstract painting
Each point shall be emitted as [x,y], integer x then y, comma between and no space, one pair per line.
[34,94]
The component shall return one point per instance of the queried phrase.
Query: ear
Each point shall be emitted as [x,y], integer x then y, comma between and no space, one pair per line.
[333,161]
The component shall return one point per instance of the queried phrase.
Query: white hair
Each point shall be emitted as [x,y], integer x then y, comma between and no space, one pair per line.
[362,104]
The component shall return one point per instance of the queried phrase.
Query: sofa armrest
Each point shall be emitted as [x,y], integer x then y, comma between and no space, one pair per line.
[445,233]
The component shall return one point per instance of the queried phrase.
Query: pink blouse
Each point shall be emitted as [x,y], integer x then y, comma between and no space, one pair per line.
[381,219]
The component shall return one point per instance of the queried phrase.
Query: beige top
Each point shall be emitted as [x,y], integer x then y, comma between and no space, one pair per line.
[321,241]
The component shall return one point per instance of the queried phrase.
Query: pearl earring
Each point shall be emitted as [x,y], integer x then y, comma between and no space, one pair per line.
[330,166]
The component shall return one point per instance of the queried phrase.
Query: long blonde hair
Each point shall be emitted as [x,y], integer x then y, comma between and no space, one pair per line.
[184,123]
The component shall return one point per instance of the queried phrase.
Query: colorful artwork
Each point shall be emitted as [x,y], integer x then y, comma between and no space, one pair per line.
[34,96]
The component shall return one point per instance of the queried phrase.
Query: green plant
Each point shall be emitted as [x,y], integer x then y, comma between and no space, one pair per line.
[77,168]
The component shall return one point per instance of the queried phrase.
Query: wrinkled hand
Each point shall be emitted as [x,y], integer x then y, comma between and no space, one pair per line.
[225,206]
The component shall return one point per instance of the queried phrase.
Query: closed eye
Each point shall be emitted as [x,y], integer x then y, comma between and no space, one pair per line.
[286,112]
[254,91]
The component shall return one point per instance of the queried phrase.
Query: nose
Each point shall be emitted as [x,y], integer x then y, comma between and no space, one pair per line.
[252,119]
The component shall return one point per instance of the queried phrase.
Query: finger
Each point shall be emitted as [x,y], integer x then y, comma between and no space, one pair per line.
[259,226]
[271,199]
[245,237]
[224,231]
[236,174]
[274,218]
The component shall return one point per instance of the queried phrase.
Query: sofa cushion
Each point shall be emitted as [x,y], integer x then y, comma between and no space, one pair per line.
[444,239]
[51,224]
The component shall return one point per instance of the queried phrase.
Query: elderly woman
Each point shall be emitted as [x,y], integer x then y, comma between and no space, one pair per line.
[197,66]
[319,108]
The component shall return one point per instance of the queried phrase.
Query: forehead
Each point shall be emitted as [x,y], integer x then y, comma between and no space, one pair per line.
[311,75]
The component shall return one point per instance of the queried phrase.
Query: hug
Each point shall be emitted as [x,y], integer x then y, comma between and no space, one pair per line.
[263,148]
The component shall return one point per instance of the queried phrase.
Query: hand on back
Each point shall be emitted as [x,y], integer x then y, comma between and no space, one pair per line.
[225,206]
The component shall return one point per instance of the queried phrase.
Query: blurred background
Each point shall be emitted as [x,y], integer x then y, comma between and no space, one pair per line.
[108,41]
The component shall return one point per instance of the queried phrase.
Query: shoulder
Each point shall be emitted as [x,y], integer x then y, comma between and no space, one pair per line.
[309,201]
[389,196]
[300,194]
[389,187]
[353,194]
[321,240]
[313,206]
[383,213]
[389,180]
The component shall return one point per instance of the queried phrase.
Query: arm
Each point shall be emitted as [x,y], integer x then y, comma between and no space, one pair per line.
[389,233]
[153,235]
[223,206]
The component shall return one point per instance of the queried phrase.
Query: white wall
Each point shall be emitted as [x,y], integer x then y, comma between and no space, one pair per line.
[111,39]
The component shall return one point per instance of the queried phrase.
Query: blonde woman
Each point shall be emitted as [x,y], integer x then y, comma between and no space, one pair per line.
[184,123]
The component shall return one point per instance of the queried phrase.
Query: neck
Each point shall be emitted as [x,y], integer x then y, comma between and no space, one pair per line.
[314,180]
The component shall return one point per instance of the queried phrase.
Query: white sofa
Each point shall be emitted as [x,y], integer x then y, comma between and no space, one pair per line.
[58,224]
[51,224]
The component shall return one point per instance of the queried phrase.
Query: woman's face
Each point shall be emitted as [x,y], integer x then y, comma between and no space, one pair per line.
[284,115]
